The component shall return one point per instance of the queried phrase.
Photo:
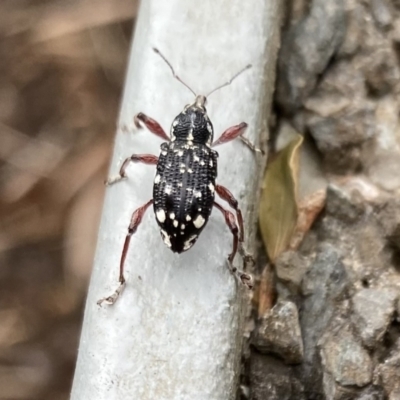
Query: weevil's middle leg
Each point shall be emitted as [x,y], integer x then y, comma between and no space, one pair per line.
[142,158]
[234,132]
[226,195]
[245,279]
[135,222]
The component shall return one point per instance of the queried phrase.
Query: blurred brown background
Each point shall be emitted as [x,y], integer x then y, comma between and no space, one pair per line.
[62,66]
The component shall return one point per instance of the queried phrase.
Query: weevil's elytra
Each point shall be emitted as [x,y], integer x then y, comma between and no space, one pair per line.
[184,187]
[185,182]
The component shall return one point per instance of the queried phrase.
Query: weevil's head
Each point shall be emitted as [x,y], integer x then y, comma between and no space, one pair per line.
[193,125]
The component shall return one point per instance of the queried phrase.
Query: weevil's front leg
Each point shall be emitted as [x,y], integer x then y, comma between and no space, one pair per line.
[135,222]
[245,279]
[234,132]
[152,125]
[142,158]
[226,195]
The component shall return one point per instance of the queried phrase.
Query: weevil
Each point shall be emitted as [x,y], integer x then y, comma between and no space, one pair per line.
[185,182]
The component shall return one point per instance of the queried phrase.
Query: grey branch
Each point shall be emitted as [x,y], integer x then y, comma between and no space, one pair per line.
[175,332]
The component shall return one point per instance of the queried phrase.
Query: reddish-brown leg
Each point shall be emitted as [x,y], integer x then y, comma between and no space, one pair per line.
[152,125]
[135,222]
[245,279]
[234,132]
[226,195]
[142,158]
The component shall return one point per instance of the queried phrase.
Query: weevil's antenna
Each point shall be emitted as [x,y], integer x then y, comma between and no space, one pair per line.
[231,80]
[173,72]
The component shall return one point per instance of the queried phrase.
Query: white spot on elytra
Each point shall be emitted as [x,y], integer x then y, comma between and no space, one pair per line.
[175,123]
[190,143]
[168,190]
[179,184]
[175,223]
[157,179]
[166,238]
[196,158]
[202,163]
[182,170]
[189,243]
[209,128]
[211,187]
[188,217]
[160,214]
[172,215]
[211,163]
[197,194]
[183,226]
[190,170]
[164,153]
[180,153]
[199,221]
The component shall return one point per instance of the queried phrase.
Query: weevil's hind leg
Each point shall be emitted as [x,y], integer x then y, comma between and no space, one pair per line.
[235,132]
[152,125]
[245,279]
[135,222]
[226,195]
[141,158]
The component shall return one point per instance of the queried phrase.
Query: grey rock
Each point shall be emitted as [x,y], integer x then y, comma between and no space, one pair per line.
[382,73]
[354,31]
[290,268]
[373,310]
[279,333]
[344,204]
[398,310]
[395,394]
[334,391]
[323,286]
[372,392]
[270,379]
[345,359]
[388,373]
[341,138]
[306,51]
[380,10]
[388,216]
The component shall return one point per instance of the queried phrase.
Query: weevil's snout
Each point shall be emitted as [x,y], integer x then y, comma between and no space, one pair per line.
[200,102]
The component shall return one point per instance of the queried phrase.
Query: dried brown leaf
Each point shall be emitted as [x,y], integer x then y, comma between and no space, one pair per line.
[309,209]
[278,206]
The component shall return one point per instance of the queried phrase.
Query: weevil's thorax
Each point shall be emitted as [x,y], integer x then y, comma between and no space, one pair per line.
[192,125]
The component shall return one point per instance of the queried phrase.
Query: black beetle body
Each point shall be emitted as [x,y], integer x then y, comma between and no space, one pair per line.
[184,184]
